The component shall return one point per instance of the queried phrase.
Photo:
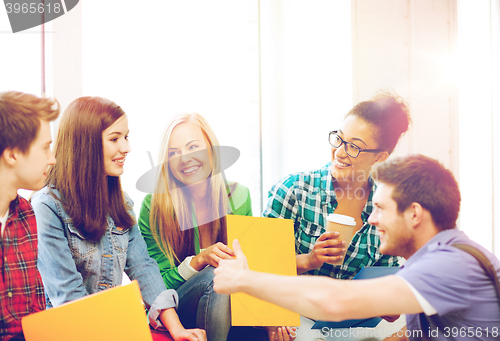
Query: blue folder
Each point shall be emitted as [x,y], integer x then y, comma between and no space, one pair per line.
[365,273]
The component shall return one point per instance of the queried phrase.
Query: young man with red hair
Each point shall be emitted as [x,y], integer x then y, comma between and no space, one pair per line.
[25,156]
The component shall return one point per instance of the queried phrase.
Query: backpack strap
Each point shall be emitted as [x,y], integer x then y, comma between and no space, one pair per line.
[425,328]
[484,262]
[490,272]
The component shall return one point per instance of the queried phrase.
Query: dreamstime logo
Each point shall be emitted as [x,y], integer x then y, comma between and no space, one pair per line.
[25,14]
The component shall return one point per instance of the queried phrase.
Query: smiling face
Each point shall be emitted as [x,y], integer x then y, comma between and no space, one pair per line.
[31,168]
[189,160]
[395,230]
[348,168]
[115,146]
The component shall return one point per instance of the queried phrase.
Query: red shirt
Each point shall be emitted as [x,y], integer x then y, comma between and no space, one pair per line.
[21,288]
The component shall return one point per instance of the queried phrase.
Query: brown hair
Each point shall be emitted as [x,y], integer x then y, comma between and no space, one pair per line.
[171,208]
[388,114]
[418,178]
[20,116]
[87,194]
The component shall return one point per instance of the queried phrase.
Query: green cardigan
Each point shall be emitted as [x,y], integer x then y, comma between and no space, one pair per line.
[169,272]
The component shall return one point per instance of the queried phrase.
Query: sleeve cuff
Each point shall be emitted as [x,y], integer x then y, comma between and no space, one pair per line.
[185,269]
[167,299]
[428,309]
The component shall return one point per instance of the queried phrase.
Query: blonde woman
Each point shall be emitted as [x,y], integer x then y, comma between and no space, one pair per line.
[183,222]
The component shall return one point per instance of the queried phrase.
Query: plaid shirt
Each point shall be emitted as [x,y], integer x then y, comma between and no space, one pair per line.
[307,198]
[21,289]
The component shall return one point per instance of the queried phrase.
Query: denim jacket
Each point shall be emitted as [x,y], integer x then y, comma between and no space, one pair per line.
[73,267]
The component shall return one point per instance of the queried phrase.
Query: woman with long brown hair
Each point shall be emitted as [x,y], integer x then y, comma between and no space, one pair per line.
[87,232]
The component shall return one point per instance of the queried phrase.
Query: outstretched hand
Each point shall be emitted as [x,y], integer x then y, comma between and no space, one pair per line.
[229,273]
[228,279]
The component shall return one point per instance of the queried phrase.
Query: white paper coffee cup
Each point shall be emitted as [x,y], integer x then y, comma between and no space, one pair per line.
[344,225]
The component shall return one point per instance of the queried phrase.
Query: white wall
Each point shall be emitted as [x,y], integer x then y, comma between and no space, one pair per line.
[495,90]
[406,46]
[64,57]
[306,83]
[20,58]
[478,118]
[440,56]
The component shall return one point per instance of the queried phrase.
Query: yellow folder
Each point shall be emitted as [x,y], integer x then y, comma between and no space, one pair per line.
[269,246]
[113,314]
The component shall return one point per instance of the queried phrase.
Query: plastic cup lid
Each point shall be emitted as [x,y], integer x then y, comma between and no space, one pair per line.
[341,219]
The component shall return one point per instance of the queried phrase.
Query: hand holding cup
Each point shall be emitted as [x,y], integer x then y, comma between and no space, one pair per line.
[327,249]
[344,226]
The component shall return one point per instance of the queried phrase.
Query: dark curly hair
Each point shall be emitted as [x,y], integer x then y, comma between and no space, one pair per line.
[389,116]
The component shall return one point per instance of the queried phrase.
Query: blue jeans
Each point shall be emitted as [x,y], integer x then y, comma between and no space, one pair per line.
[201,307]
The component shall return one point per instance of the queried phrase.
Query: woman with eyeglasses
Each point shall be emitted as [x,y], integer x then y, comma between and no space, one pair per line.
[368,135]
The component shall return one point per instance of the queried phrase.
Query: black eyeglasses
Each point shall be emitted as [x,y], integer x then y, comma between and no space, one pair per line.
[350,148]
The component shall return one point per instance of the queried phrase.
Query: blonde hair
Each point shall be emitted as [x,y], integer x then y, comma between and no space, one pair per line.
[171,211]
